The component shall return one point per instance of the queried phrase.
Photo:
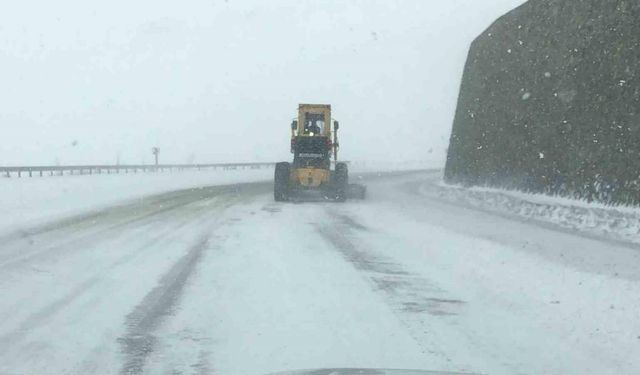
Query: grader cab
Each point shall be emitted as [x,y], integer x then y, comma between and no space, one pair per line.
[314,145]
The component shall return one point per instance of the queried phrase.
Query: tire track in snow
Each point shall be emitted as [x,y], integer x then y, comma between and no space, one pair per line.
[407,292]
[129,211]
[146,221]
[43,315]
[91,228]
[414,299]
[139,340]
[22,246]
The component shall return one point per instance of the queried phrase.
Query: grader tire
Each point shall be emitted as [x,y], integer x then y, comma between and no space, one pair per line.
[341,182]
[281,182]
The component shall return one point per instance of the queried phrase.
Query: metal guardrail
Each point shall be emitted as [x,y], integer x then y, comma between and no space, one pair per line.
[61,170]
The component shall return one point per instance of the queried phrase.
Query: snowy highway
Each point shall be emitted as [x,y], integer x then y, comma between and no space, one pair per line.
[223,280]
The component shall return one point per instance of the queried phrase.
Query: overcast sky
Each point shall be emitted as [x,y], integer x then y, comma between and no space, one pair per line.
[212,81]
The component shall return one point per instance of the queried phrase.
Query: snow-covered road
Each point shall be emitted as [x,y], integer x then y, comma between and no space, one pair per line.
[224,280]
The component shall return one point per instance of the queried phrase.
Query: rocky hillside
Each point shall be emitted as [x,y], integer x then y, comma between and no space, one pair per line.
[550,102]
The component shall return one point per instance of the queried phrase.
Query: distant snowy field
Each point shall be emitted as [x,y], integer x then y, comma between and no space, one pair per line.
[26,202]
[614,223]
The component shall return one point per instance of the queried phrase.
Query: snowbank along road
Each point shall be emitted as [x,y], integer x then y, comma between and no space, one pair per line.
[224,280]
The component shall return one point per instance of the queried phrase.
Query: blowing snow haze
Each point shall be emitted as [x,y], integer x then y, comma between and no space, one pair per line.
[219,81]
[516,255]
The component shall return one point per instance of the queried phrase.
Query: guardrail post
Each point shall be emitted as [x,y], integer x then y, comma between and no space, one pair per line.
[19,173]
[30,175]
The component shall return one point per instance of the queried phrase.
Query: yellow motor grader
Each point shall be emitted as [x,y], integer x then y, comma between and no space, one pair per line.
[314,143]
